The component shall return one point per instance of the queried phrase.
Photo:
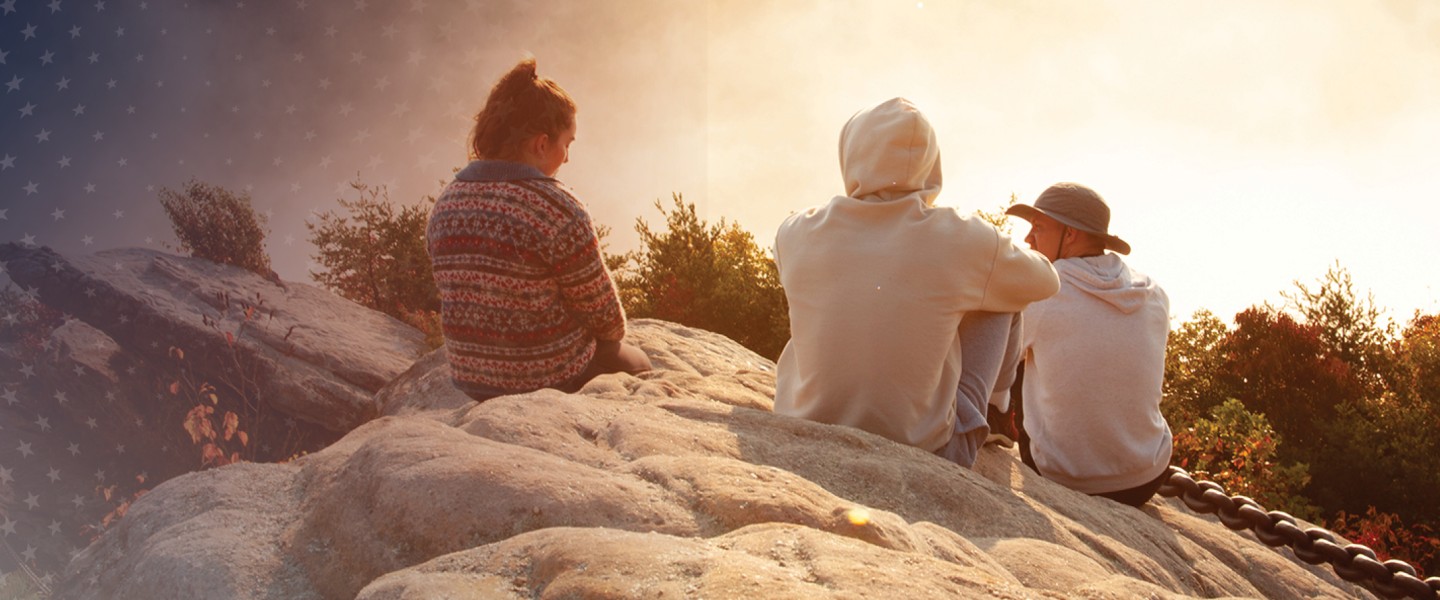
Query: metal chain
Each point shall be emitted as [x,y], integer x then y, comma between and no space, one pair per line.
[1352,562]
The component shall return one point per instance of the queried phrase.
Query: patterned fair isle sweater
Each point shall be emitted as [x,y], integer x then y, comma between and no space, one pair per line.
[524,293]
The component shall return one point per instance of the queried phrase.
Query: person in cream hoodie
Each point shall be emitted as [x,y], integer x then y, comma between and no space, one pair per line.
[892,299]
[1094,356]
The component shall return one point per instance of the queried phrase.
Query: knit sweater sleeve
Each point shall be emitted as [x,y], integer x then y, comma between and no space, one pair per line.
[585,285]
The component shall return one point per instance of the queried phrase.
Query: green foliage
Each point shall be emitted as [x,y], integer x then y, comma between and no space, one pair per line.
[375,254]
[1350,328]
[1194,357]
[1418,355]
[711,276]
[217,225]
[1237,449]
[998,218]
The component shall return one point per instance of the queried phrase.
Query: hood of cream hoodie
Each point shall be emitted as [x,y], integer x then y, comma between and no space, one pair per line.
[889,152]
[1109,279]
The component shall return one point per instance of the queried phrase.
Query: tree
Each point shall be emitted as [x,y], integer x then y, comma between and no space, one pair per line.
[217,225]
[1280,368]
[710,276]
[1349,327]
[376,254]
[1194,357]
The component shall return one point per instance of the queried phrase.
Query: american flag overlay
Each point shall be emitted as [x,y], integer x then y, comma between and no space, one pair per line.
[104,103]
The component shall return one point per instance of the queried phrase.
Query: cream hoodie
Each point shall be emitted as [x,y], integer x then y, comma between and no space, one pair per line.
[878,280]
[1095,361]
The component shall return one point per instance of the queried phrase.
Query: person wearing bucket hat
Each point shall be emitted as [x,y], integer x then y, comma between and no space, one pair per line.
[901,312]
[1094,356]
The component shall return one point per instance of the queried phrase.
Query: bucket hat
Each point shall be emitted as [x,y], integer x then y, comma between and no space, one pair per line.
[1075,206]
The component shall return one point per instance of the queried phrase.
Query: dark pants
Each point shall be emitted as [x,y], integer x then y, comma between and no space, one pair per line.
[1136,496]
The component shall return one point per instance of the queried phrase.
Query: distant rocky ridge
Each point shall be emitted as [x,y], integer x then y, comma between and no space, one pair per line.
[678,483]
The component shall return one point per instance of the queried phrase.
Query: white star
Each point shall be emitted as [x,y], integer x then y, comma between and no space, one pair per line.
[79,109]
[75,32]
[54,6]
[60,397]
[324,83]
[89,188]
[8,6]
[382,83]
[74,449]
[24,449]
[28,240]
[58,214]
[29,552]
[43,136]
[331,31]
[357,58]
[43,423]
[31,188]
[9,397]
[389,32]
[5,475]
[122,162]
[297,57]
[47,58]
[119,31]
[13,84]
[94,58]
[97,136]
[310,136]
[78,502]
[27,110]
[63,84]
[346,109]
[119,214]
[3,54]
[87,240]
[3,211]
[362,135]
[92,423]
[27,370]
[7,528]
[54,527]
[325,162]
[64,161]
[100,5]
[28,31]
[53,475]
[7,163]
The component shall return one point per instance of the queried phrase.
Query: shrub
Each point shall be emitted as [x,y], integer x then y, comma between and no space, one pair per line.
[217,225]
[711,276]
[1236,448]
[375,254]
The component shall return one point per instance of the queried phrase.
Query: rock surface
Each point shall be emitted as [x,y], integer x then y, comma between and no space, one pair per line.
[308,353]
[678,483]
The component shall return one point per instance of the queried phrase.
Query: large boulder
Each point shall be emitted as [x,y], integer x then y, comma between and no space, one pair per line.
[304,351]
[679,483]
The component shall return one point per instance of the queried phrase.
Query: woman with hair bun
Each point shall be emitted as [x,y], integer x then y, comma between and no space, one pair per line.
[526,301]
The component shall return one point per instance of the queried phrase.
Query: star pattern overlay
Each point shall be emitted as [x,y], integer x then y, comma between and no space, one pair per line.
[104,104]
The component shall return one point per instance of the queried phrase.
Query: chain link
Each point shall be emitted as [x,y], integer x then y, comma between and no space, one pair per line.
[1352,562]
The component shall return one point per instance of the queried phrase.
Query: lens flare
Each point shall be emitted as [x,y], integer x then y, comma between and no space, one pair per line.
[858,516]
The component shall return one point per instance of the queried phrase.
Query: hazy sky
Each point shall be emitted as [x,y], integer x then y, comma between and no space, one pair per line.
[1241,145]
